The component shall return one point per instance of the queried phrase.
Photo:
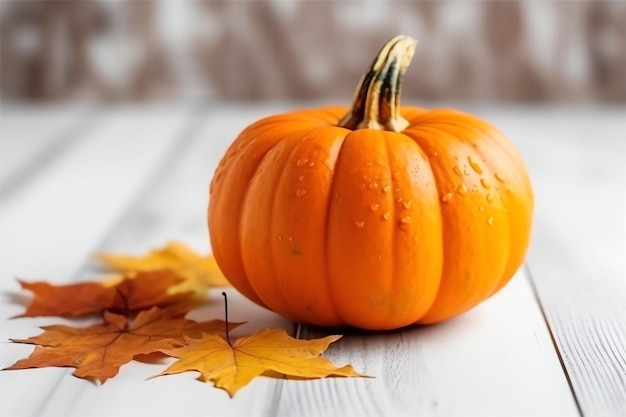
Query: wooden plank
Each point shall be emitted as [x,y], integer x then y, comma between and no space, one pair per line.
[576,157]
[31,138]
[503,363]
[173,206]
[495,360]
[460,366]
[51,226]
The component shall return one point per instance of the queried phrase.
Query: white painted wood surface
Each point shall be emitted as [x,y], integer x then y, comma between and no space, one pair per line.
[140,177]
[35,137]
[577,257]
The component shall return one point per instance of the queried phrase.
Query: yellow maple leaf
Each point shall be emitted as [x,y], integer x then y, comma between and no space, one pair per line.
[199,272]
[267,352]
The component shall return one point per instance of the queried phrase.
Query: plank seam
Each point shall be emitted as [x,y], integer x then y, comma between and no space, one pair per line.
[531,281]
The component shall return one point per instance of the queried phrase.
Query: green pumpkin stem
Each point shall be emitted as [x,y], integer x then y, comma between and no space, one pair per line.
[377,99]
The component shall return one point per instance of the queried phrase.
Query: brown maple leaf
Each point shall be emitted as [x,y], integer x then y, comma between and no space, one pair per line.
[146,289]
[136,291]
[266,352]
[200,273]
[98,351]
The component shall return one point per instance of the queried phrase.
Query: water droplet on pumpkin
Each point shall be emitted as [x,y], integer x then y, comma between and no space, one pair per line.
[485,183]
[399,200]
[279,237]
[481,208]
[500,177]
[291,238]
[446,197]
[490,196]
[373,185]
[470,227]
[386,215]
[311,163]
[407,204]
[490,220]
[466,172]
[386,188]
[302,161]
[461,189]
[375,206]
[301,177]
[474,165]
[457,170]
[300,192]
[416,238]
[396,175]
[360,224]
[405,219]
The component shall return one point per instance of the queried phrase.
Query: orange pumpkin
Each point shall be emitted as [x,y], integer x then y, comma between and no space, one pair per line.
[376,217]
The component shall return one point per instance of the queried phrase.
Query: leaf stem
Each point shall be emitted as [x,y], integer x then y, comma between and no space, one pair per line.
[124,301]
[226,318]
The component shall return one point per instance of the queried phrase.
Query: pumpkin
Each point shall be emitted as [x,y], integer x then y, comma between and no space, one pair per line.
[376,217]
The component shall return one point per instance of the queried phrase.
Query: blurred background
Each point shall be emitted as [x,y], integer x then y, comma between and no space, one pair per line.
[496,51]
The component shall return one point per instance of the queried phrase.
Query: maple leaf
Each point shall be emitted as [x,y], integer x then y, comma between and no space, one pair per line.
[267,352]
[145,289]
[98,351]
[66,300]
[200,272]
[134,292]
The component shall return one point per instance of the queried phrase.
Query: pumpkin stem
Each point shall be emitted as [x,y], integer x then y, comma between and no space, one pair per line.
[376,102]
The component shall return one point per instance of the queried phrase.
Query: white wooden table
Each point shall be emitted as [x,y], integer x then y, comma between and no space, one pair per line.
[78,179]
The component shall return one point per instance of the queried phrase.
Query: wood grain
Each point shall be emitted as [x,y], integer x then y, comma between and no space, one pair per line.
[418,370]
[172,206]
[50,227]
[495,360]
[576,158]
[142,178]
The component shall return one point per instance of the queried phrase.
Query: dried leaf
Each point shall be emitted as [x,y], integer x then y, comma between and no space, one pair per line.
[98,351]
[66,300]
[146,289]
[268,351]
[200,272]
[134,292]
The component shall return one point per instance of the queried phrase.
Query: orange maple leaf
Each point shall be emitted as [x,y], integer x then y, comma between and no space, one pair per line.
[136,291]
[200,273]
[98,351]
[267,352]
